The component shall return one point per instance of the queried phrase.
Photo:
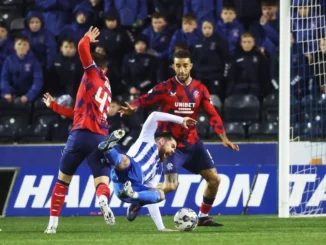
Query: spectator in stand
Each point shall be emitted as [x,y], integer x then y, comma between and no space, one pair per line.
[139,68]
[66,70]
[21,74]
[203,9]
[229,28]
[56,13]
[132,12]
[170,8]
[249,72]
[95,9]
[159,35]
[308,25]
[248,11]
[6,44]
[41,40]
[270,22]
[116,42]
[210,57]
[187,34]
[79,27]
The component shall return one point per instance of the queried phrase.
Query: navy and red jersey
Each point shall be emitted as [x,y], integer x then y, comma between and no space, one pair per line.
[93,96]
[183,100]
[61,110]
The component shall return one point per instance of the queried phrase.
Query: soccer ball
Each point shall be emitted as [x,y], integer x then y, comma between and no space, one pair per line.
[185,219]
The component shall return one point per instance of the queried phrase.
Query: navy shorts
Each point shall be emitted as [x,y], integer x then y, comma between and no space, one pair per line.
[81,145]
[194,158]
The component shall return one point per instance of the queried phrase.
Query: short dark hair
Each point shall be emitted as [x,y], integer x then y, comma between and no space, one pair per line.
[189,17]
[22,38]
[4,25]
[228,7]
[182,54]
[68,40]
[269,3]
[158,15]
[165,135]
[101,60]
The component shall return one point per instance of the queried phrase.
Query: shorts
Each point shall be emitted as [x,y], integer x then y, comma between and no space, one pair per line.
[133,173]
[118,186]
[194,158]
[81,145]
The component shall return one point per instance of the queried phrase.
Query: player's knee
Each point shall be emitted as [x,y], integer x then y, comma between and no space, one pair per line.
[169,187]
[214,181]
[64,177]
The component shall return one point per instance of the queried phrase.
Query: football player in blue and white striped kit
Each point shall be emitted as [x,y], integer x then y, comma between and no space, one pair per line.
[136,175]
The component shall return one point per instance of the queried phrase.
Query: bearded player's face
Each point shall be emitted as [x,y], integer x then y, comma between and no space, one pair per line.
[182,68]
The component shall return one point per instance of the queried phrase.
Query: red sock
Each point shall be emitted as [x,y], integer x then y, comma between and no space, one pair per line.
[58,198]
[102,189]
[206,205]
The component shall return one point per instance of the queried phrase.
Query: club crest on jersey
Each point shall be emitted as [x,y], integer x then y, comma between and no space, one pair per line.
[27,67]
[195,94]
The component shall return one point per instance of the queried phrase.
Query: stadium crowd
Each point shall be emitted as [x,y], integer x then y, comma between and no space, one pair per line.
[234,46]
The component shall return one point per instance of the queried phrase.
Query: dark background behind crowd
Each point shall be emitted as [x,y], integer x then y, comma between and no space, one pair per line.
[234,46]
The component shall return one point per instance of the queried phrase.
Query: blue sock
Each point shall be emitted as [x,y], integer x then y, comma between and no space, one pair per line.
[113,157]
[149,197]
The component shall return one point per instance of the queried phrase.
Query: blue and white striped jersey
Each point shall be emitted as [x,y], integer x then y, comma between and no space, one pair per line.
[145,152]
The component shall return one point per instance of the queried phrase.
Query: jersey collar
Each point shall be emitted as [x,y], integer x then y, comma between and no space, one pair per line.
[181,82]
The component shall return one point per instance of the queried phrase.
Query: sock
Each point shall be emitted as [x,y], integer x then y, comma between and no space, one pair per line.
[206,206]
[147,196]
[102,190]
[113,157]
[57,201]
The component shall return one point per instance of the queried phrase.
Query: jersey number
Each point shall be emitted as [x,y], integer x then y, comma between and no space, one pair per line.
[102,100]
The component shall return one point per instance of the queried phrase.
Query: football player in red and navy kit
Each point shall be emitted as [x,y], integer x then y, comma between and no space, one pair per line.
[90,127]
[184,96]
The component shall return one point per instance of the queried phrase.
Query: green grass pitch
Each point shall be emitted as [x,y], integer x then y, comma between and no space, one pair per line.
[238,230]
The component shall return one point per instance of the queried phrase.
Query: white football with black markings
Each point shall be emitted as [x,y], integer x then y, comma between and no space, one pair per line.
[185,219]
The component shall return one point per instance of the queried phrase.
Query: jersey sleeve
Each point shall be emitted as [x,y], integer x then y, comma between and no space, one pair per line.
[155,213]
[152,97]
[150,125]
[85,53]
[214,118]
[63,111]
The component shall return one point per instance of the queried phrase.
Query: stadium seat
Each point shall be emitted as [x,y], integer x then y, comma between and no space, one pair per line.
[46,119]
[34,134]
[203,126]
[9,13]
[17,25]
[241,108]
[41,112]
[9,126]
[263,131]
[15,108]
[217,103]
[60,130]
[270,108]
[7,135]
[234,131]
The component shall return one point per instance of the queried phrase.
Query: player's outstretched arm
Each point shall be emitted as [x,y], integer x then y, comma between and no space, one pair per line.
[63,111]
[84,47]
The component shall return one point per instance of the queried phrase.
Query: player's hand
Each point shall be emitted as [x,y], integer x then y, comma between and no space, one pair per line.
[8,97]
[127,110]
[93,33]
[230,145]
[47,99]
[24,99]
[168,230]
[188,122]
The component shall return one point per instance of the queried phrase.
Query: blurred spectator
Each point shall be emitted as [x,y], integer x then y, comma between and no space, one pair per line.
[203,9]
[248,11]
[187,34]
[116,42]
[249,72]
[170,8]
[96,10]
[308,25]
[229,28]
[6,44]
[139,68]
[210,58]
[66,70]
[56,13]
[269,20]
[21,74]
[159,36]
[79,27]
[41,40]
[132,12]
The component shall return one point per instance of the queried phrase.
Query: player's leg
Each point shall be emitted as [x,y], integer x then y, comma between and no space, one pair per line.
[170,169]
[70,160]
[202,163]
